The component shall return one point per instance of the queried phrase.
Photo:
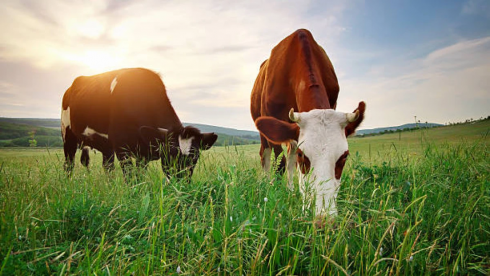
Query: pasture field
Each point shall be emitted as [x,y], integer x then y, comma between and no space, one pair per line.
[415,203]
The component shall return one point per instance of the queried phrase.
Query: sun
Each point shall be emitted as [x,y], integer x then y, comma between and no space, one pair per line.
[99,60]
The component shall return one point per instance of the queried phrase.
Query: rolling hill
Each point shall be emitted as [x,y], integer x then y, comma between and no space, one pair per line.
[37,122]
[395,128]
[16,132]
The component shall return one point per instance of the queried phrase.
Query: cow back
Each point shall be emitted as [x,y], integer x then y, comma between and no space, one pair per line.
[116,105]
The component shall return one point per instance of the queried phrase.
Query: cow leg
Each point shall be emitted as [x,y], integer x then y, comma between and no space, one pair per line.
[105,147]
[141,163]
[265,154]
[85,158]
[266,159]
[126,163]
[291,163]
[108,161]
[277,153]
[70,148]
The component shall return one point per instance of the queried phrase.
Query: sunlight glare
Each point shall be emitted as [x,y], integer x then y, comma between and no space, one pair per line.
[99,60]
[91,28]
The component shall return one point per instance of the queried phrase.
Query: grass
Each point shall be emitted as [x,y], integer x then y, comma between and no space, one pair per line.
[419,207]
[412,144]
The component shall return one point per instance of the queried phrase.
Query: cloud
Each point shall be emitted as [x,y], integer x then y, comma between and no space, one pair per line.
[472,7]
[462,54]
[131,28]
[208,52]
[448,84]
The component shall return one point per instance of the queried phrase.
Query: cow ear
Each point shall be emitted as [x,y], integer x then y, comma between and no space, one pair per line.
[277,131]
[208,140]
[153,136]
[352,126]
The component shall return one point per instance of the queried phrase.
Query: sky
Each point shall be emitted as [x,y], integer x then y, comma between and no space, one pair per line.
[407,59]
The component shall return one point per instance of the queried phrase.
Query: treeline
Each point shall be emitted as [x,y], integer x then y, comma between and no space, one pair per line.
[387,131]
[36,141]
[422,126]
[10,131]
[37,122]
[228,140]
[468,121]
[56,141]
[21,135]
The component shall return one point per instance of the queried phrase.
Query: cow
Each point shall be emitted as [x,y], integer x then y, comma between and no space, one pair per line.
[126,112]
[293,102]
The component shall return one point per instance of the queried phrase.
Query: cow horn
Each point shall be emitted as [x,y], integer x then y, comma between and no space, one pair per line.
[352,117]
[293,117]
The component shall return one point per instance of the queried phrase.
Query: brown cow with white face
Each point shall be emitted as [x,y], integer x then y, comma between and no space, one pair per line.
[293,102]
[127,112]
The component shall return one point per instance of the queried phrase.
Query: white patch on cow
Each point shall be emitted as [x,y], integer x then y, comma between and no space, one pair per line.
[113,84]
[89,132]
[65,121]
[185,145]
[322,139]
[65,117]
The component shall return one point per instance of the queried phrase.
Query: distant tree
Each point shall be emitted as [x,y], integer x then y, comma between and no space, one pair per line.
[32,141]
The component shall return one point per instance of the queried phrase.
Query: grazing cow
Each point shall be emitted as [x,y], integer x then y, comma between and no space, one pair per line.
[127,112]
[293,102]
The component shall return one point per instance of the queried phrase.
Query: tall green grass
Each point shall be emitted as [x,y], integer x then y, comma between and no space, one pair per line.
[397,215]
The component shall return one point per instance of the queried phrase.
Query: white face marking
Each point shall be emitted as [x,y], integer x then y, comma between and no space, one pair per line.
[322,139]
[113,84]
[65,121]
[185,145]
[89,132]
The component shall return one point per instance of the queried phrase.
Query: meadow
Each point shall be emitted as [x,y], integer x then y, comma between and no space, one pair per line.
[410,203]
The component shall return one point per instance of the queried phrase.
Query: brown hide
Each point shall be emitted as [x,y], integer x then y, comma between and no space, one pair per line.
[139,99]
[297,75]
[131,119]
[351,127]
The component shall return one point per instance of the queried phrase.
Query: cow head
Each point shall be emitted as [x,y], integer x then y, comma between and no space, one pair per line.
[318,140]
[178,151]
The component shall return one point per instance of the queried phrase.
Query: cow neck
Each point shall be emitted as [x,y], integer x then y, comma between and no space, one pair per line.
[310,90]
[177,130]
[168,118]
[313,97]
